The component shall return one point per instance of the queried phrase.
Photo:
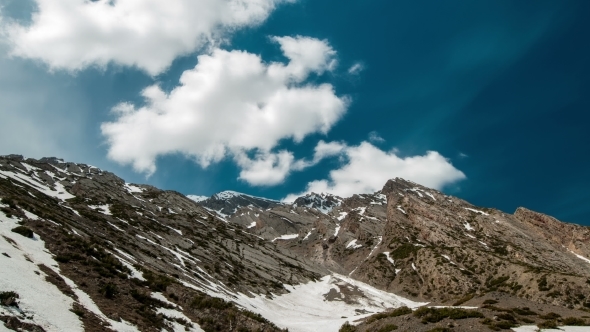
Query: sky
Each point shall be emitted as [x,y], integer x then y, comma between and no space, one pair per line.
[484,100]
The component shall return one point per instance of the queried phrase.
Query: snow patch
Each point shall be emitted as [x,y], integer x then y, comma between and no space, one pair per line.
[197,198]
[580,257]
[477,211]
[352,244]
[104,209]
[286,237]
[133,189]
[389,258]
[337,230]
[308,308]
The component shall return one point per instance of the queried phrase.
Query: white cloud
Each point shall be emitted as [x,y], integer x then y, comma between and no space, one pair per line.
[356,68]
[368,168]
[229,104]
[272,168]
[375,137]
[149,34]
[267,169]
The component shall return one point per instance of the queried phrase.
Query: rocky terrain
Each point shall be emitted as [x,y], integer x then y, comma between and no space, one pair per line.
[108,255]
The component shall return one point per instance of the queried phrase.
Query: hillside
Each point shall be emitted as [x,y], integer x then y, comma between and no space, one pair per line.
[84,250]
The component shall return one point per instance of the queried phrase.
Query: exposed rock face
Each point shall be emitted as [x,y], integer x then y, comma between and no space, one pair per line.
[108,233]
[122,245]
[227,203]
[322,202]
[423,244]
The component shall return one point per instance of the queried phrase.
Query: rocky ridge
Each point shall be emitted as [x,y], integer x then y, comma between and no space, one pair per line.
[235,255]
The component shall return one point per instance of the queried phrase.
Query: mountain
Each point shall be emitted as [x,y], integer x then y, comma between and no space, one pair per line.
[226,203]
[323,202]
[87,251]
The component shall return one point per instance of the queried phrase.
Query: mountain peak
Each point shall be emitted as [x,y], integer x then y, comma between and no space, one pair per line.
[229,202]
[323,202]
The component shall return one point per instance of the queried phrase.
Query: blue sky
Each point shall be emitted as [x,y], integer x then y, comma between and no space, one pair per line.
[486,100]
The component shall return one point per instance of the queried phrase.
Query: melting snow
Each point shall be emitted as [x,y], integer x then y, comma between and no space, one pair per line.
[468,226]
[104,209]
[30,215]
[378,243]
[352,244]
[177,327]
[342,216]
[59,192]
[48,307]
[337,230]
[533,328]
[477,211]
[197,198]
[253,224]
[400,208]
[580,257]
[115,227]
[133,189]
[286,237]
[389,258]
[306,308]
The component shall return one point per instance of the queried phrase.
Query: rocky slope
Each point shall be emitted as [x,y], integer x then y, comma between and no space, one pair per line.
[133,257]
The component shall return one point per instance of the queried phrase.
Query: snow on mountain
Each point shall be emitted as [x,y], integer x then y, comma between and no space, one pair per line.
[323,202]
[166,256]
[197,198]
[324,305]
[228,202]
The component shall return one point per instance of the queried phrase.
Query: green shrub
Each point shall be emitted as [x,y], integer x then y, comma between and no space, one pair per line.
[387,328]
[403,251]
[524,311]
[109,290]
[9,202]
[24,231]
[550,316]
[154,281]
[574,321]
[548,324]
[395,313]
[542,284]
[464,299]
[205,302]
[434,315]
[346,327]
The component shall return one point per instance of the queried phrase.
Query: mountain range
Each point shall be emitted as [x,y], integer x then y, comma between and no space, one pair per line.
[82,250]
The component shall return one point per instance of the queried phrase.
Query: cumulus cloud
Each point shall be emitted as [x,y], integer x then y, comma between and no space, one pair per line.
[368,168]
[149,34]
[231,104]
[266,169]
[272,168]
